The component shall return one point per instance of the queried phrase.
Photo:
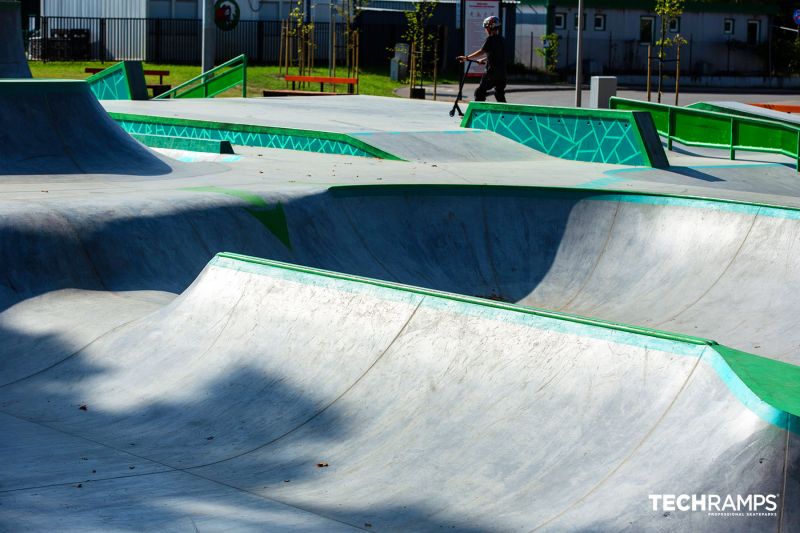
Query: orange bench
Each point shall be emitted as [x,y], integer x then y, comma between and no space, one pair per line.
[157,88]
[322,80]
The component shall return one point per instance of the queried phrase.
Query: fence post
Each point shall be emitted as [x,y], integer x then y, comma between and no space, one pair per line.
[43,50]
[733,137]
[261,30]
[103,54]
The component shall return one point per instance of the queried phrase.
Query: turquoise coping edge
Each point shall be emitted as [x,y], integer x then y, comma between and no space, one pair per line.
[335,137]
[584,191]
[683,345]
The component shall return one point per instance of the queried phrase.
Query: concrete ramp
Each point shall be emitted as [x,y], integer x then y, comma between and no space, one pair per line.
[57,127]
[451,146]
[13,63]
[720,270]
[272,397]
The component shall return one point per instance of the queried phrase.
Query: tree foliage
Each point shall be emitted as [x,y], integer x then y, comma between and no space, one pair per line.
[549,51]
[420,39]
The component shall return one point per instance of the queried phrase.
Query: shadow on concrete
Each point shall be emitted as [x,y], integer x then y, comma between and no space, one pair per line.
[465,240]
[173,432]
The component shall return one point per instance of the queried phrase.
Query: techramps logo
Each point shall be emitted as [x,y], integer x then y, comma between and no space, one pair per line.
[718,505]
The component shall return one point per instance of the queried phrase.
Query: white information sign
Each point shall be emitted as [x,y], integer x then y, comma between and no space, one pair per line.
[474,34]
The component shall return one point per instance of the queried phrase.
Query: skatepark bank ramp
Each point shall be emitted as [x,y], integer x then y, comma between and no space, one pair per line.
[57,127]
[269,396]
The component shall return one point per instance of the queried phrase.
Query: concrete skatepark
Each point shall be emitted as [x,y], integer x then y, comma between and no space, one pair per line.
[466,334]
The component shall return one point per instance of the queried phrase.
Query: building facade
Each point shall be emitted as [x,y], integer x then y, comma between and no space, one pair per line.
[721,37]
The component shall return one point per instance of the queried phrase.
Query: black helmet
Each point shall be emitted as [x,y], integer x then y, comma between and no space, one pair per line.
[491,22]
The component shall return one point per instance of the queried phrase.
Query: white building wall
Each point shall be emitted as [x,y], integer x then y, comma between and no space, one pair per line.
[531,25]
[618,47]
[94,8]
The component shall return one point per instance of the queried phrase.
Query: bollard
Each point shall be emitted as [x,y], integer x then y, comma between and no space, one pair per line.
[602,88]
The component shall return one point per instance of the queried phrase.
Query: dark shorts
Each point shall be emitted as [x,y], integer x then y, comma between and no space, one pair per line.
[487,83]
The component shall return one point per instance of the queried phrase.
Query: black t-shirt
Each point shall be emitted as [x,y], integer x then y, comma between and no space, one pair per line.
[495,50]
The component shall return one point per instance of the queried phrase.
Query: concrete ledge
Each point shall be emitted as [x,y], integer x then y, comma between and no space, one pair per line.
[592,135]
[184,143]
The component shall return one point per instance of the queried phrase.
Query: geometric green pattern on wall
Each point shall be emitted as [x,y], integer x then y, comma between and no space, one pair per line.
[110,84]
[122,81]
[591,135]
[248,135]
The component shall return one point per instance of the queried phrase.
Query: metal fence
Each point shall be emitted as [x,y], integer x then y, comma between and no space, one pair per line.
[178,41]
[615,56]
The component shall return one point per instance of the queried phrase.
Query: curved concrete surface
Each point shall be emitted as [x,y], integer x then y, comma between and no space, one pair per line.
[387,410]
[58,127]
[13,63]
[267,397]
[713,269]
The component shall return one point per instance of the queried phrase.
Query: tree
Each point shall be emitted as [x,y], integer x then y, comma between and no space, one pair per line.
[549,51]
[667,10]
[420,39]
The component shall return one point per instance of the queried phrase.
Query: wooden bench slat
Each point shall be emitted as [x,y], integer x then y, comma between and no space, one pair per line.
[159,73]
[288,92]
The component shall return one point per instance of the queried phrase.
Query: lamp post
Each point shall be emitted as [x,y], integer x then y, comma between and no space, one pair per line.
[579,56]
[209,36]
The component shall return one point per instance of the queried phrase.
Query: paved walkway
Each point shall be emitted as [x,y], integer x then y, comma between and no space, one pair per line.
[564,95]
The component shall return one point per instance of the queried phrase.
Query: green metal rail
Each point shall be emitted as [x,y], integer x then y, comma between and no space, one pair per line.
[696,127]
[213,82]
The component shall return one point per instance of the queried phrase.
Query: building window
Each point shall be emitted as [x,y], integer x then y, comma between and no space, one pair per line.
[728,27]
[753,32]
[675,25]
[646,25]
[560,21]
[160,9]
[269,10]
[575,21]
[600,23]
[186,9]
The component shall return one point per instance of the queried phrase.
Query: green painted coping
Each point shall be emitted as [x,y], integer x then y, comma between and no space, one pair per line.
[645,138]
[272,218]
[184,143]
[249,128]
[774,382]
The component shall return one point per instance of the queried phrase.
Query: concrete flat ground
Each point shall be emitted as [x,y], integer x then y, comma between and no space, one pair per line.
[476,339]
[563,95]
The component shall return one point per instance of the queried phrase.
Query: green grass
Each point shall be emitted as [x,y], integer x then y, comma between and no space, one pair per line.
[371,81]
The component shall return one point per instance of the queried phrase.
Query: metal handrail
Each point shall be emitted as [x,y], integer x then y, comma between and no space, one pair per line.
[206,78]
[717,126]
